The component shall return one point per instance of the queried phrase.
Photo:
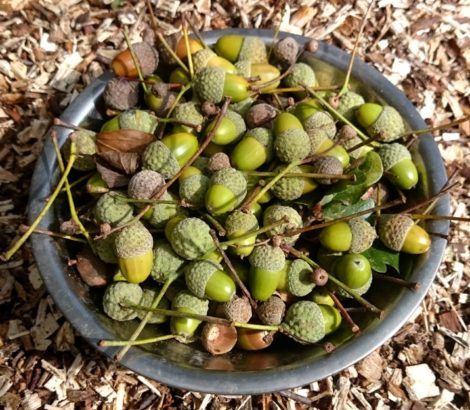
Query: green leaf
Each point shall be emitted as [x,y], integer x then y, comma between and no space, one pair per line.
[338,210]
[372,167]
[380,257]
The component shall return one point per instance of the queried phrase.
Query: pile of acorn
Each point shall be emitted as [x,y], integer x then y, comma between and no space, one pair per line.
[228,163]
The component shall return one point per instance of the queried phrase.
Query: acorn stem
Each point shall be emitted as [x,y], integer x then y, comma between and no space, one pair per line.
[135,59]
[188,49]
[128,343]
[23,228]
[79,180]
[195,31]
[17,245]
[197,127]
[252,233]
[414,286]
[73,210]
[354,327]
[297,89]
[151,201]
[60,123]
[440,217]
[299,174]
[214,222]
[175,103]
[437,127]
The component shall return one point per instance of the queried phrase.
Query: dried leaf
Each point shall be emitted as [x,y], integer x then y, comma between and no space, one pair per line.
[92,270]
[123,161]
[123,141]
[113,179]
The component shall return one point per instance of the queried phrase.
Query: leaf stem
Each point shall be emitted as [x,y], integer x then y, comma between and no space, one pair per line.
[299,174]
[128,343]
[136,60]
[414,286]
[354,327]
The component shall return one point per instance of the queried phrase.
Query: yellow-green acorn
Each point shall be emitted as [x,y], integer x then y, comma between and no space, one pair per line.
[96,185]
[158,157]
[239,223]
[398,165]
[254,149]
[314,118]
[332,318]
[266,264]
[112,208]
[400,233]
[230,129]
[148,297]
[187,303]
[349,102]
[138,120]
[266,73]
[182,146]
[354,271]
[134,250]
[227,189]
[289,188]
[207,58]
[187,112]
[179,76]
[385,122]
[291,142]
[321,296]
[298,278]
[85,142]
[165,261]
[161,213]
[304,322]
[301,75]
[322,145]
[207,279]
[235,47]
[327,165]
[190,238]
[213,84]
[355,235]
[119,294]
[144,184]
[275,213]
[193,185]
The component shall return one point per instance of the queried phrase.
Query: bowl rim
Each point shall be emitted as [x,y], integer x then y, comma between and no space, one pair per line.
[60,287]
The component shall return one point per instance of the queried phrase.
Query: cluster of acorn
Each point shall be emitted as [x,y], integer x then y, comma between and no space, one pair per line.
[268,150]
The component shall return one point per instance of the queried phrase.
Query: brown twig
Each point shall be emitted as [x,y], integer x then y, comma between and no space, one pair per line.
[354,327]
[414,286]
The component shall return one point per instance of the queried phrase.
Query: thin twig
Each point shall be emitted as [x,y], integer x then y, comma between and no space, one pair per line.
[414,286]
[354,327]
[24,227]
[135,60]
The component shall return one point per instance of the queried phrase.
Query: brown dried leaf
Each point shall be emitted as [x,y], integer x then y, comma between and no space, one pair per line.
[123,141]
[92,270]
[113,179]
[123,161]
[451,321]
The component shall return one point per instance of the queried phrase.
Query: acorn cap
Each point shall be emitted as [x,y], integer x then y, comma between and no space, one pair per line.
[242,106]
[317,138]
[301,74]
[238,309]
[188,112]
[190,238]
[260,115]
[363,235]
[327,165]
[243,68]
[389,125]
[265,137]
[165,261]
[133,240]
[186,300]
[140,120]
[159,158]
[162,213]
[391,154]
[238,121]
[198,273]
[201,163]
[253,49]
[104,248]
[201,58]
[320,121]
[239,221]
[121,94]
[147,57]
[111,209]
[148,297]
[298,278]
[209,84]
[118,294]
[348,104]
[276,213]
[304,322]
[218,161]
[288,188]
[193,189]
[272,311]
[85,143]
[268,258]
[285,51]
[393,230]
[144,184]
[231,179]
[292,144]
[347,137]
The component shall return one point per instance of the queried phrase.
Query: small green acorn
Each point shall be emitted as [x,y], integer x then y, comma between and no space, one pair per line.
[166,261]
[314,118]
[112,209]
[227,189]
[193,185]
[354,271]
[276,213]
[254,149]
[133,245]
[237,224]
[182,146]
[118,294]
[382,121]
[207,280]
[301,75]
[235,47]
[332,318]
[158,157]
[148,297]
[190,238]
[298,278]
[266,263]
[355,236]
[265,74]
[85,142]
[304,322]
[289,188]
[398,165]
[321,296]
[231,128]
[207,58]
[187,112]
[400,233]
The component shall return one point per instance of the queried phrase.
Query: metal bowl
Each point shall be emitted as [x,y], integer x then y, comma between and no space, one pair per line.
[281,367]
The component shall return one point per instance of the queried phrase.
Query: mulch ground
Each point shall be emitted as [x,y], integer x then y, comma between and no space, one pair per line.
[50,50]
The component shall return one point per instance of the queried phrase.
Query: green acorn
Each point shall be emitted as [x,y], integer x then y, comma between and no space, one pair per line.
[182,146]
[161,213]
[400,233]
[112,209]
[187,112]
[266,73]
[314,118]
[349,102]
[193,185]
[398,165]
[148,297]
[207,58]
[133,245]
[96,185]
[354,271]
[276,213]
[165,261]
[254,149]
[332,318]
[119,294]
[321,297]
[190,238]
[231,128]
[235,47]
[207,279]
[291,142]
[304,322]
[85,142]
[266,263]
[158,157]
[227,189]
[213,84]
[104,248]
[185,327]
[139,120]
[298,278]
[382,121]
[144,184]
[301,75]
[237,224]
[355,236]
[272,311]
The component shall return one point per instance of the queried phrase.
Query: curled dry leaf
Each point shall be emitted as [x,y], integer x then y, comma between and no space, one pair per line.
[113,178]
[92,270]
[123,141]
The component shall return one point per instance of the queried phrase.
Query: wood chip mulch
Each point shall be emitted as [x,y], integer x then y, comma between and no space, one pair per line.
[50,50]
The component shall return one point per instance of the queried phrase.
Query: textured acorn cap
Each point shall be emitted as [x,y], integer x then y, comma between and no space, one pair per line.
[301,74]
[238,121]
[304,322]
[233,180]
[253,50]
[320,121]
[159,158]
[111,209]
[238,309]
[162,212]
[165,261]
[201,163]
[184,299]
[276,213]
[390,154]
[193,189]
[267,257]
[198,273]
[363,235]
[120,293]
[133,240]
[393,230]
[148,297]
[201,58]
[327,165]
[188,112]
[348,103]
[265,137]
[138,120]
[317,138]
[243,68]
[190,238]
[147,57]
[85,143]
[292,144]
[144,184]
[347,137]
[285,51]
[104,248]
[272,311]
[240,221]
[260,115]
[209,84]
[298,278]
[121,94]
[288,188]
[218,161]
[389,125]
[242,106]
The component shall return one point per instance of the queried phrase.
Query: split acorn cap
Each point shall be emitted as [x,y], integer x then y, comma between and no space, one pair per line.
[227,189]
[382,121]
[234,47]
[398,165]
[120,293]
[190,238]
[254,149]
[237,224]
[304,322]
